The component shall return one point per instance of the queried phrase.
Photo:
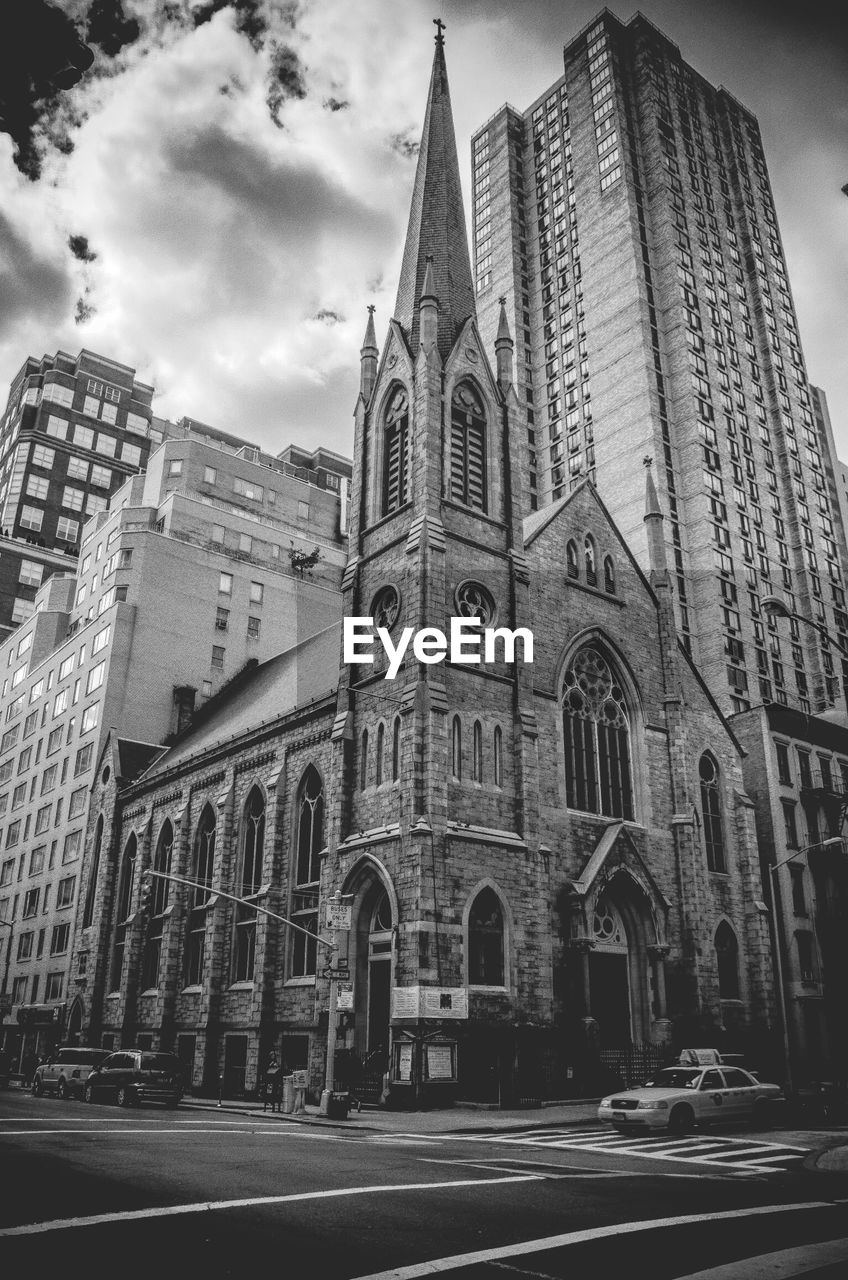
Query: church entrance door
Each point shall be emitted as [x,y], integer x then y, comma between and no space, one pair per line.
[609,977]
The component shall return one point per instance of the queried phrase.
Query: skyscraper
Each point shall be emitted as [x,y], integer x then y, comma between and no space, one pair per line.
[627,218]
[74,429]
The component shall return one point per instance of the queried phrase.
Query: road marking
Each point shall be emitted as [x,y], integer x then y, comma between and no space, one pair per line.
[557,1170]
[436,1265]
[741,1156]
[174,1210]
[778,1266]
[96,1133]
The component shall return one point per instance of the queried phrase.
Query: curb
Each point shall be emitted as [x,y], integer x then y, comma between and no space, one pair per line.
[817,1161]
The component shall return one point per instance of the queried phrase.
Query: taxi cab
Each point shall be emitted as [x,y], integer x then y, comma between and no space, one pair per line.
[677,1098]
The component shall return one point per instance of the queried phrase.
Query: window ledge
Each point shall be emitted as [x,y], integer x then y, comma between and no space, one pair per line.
[307,980]
[482,989]
[193,990]
[240,986]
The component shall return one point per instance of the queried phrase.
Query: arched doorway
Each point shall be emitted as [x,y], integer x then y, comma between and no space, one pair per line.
[74,1027]
[609,976]
[372,948]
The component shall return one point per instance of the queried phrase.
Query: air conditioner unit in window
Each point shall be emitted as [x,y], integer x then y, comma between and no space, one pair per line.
[221,624]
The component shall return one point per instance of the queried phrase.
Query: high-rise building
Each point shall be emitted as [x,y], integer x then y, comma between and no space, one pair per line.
[628,219]
[73,430]
[205,565]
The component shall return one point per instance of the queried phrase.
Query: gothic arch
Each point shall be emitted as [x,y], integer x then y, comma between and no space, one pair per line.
[596,637]
[490,885]
[468,462]
[727,954]
[371,942]
[393,436]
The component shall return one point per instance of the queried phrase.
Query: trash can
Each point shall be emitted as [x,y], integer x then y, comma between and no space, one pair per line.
[288,1094]
[337,1106]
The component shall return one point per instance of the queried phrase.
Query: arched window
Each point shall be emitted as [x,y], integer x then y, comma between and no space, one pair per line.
[310,842]
[396,749]
[711,810]
[486,941]
[589,557]
[91,891]
[456,749]
[609,575]
[363,760]
[395,452]
[122,911]
[477,752]
[596,731]
[381,742]
[571,559]
[160,895]
[727,956]
[468,448]
[202,868]
[249,881]
[310,827]
[498,755]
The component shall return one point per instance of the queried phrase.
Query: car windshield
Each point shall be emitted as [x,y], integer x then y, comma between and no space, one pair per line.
[674,1078]
[159,1062]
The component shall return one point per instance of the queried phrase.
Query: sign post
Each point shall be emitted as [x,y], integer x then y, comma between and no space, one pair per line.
[338,919]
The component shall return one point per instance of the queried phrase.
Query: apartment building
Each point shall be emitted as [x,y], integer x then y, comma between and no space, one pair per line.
[628,219]
[796,771]
[74,429]
[202,567]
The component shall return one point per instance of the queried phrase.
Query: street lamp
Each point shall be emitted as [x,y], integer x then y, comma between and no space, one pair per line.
[776,920]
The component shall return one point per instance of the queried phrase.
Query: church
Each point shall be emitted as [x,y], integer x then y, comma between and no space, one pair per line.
[526,878]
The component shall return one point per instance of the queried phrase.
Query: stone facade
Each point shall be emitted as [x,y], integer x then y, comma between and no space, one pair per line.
[546,864]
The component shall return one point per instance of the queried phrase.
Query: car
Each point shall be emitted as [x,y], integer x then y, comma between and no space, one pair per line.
[66,1071]
[677,1098]
[132,1076]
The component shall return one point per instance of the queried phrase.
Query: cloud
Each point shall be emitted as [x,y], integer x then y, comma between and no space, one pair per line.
[234,258]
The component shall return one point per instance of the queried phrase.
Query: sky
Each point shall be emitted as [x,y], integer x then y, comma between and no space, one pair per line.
[226,189]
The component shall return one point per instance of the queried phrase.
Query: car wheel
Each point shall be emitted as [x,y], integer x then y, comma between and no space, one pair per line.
[62,1089]
[37,1087]
[682,1119]
[126,1097]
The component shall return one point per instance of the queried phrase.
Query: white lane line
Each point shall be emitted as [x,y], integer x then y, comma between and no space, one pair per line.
[558,1170]
[437,1265]
[175,1210]
[778,1266]
[96,1133]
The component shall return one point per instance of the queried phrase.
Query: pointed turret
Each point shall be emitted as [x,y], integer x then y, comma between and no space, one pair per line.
[428,309]
[368,356]
[504,347]
[654,524]
[436,224]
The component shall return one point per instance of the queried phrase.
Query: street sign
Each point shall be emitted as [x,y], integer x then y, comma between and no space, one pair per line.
[338,915]
[341,975]
[344,997]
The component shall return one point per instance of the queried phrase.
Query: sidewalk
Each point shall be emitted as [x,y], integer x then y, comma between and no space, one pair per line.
[450,1120]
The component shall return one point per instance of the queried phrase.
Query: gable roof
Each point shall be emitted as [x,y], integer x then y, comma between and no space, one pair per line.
[304,673]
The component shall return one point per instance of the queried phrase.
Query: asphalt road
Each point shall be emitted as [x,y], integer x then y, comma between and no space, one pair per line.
[155,1194]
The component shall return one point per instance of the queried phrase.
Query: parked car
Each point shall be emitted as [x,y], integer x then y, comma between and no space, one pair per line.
[678,1098]
[132,1076]
[66,1071]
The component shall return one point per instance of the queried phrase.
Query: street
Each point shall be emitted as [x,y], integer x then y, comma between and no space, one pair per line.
[155,1192]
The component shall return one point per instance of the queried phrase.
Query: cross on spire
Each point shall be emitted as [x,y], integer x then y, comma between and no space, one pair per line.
[440,27]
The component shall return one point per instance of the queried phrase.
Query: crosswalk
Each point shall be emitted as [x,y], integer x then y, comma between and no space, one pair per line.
[736,1157]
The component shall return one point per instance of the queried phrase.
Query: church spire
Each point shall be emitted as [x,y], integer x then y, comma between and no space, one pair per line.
[437,222]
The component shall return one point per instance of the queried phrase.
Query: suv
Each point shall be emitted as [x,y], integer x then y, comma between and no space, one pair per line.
[133,1075]
[66,1071]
